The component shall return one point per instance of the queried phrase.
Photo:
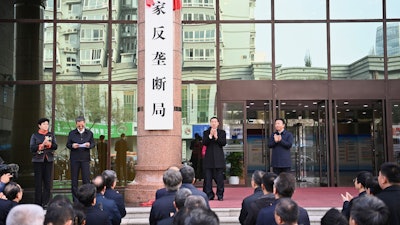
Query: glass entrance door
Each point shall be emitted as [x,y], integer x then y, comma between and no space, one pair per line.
[306,120]
[257,130]
[359,138]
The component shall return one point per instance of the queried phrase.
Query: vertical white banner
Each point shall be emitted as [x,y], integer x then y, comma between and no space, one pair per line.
[159,62]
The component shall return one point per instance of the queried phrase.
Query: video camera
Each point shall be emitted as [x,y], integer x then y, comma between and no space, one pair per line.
[9,168]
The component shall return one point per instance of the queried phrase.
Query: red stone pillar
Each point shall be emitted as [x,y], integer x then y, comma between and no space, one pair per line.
[157,150]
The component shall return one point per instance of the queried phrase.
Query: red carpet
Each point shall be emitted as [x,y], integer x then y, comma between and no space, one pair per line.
[305,197]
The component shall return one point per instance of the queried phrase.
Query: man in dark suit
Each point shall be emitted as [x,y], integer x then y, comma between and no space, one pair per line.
[267,199]
[104,203]
[13,193]
[284,187]
[110,180]
[164,207]
[280,141]
[86,196]
[80,141]
[188,178]
[256,180]
[389,180]
[214,159]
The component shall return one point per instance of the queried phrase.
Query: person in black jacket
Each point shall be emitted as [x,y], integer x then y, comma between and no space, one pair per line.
[280,141]
[214,159]
[42,146]
[256,180]
[389,180]
[86,196]
[80,141]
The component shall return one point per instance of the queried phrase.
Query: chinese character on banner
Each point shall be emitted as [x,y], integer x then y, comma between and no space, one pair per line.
[159,62]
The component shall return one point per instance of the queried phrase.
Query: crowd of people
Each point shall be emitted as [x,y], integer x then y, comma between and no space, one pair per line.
[180,203]
[95,203]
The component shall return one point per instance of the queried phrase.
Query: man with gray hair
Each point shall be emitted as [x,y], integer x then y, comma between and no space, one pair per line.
[180,198]
[26,214]
[110,180]
[164,207]
[80,141]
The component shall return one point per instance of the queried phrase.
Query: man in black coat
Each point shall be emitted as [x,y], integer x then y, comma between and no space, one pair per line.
[214,159]
[86,196]
[284,186]
[266,200]
[80,141]
[389,180]
[110,180]
[256,180]
[105,204]
[188,178]
[164,207]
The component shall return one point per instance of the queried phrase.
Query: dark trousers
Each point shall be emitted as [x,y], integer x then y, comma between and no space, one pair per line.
[216,174]
[43,180]
[279,170]
[120,169]
[76,167]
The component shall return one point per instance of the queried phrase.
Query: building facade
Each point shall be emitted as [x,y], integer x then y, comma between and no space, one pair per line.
[331,71]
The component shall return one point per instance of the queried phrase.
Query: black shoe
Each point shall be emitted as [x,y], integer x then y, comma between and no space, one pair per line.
[220,198]
[210,198]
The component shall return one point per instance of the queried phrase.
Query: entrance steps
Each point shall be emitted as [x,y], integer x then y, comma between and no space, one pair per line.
[227,216]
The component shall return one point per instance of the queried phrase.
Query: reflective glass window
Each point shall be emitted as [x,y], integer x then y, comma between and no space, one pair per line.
[298,10]
[356,55]
[393,48]
[300,51]
[392,9]
[355,9]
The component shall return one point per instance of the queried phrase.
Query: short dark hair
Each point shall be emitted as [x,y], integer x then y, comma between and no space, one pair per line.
[80,119]
[102,137]
[285,184]
[58,213]
[372,184]
[109,177]
[86,194]
[187,173]
[281,119]
[181,196]
[268,181]
[257,177]
[11,190]
[391,171]
[369,210]
[334,217]
[214,117]
[42,120]
[288,210]
[172,179]
[362,177]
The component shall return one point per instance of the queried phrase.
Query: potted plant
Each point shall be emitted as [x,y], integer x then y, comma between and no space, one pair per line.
[236,168]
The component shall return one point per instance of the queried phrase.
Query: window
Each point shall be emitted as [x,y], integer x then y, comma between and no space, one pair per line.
[90,56]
